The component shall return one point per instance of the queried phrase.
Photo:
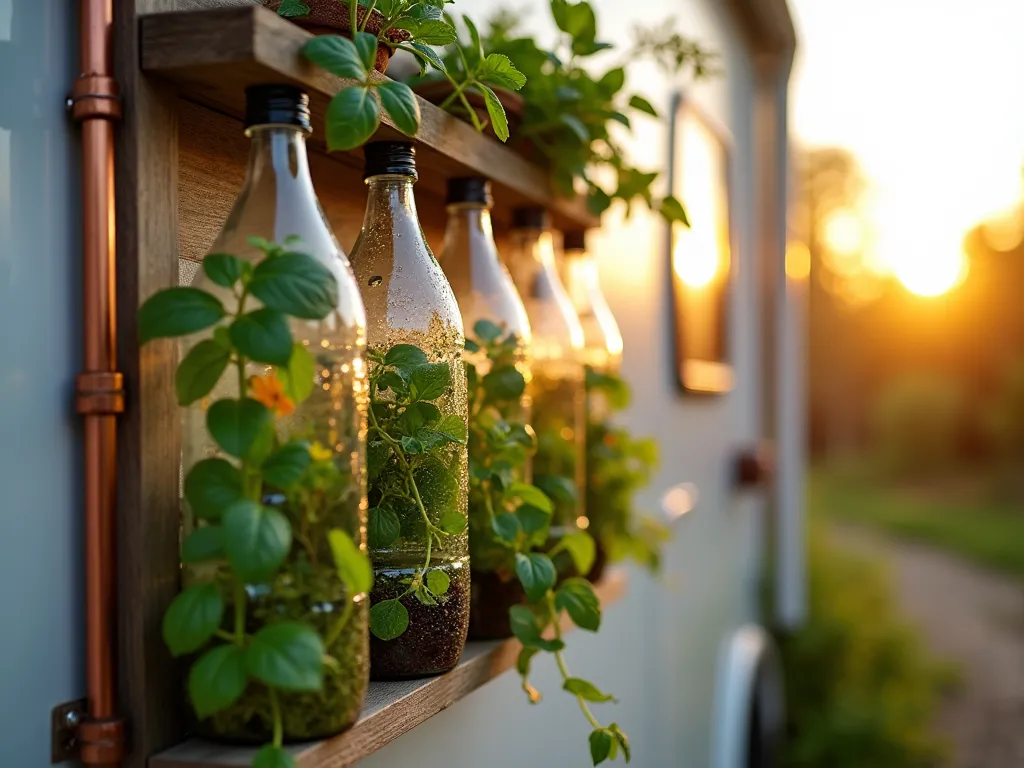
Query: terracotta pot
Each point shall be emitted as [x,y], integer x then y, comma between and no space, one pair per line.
[437,91]
[331,17]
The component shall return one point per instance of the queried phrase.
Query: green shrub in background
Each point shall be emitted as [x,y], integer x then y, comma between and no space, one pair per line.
[860,689]
[918,420]
[1003,419]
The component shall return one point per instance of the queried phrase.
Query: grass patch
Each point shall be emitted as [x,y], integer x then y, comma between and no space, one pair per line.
[990,534]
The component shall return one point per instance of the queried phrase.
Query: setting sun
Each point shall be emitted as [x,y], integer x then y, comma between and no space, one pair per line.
[931,274]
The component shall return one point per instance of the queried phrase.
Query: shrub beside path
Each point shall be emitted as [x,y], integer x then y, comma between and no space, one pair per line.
[974,619]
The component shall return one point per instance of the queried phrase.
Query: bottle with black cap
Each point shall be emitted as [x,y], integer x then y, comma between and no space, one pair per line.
[410,305]
[557,389]
[493,314]
[317,396]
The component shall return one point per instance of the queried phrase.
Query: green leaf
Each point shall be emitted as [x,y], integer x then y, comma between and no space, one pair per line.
[412,446]
[286,466]
[531,495]
[506,527]
[426,55]
[612,81]
[527,630]
[581,549]
[598,201]
[641,104]
[383,527]
[600,745]
[534,520]
[177,312]
[352,117]
[453,523]
[353,565]
[217,679]
[400,103]
[501,71]
[536,573]
[575,19]
[561,489]
[475,51]
[366,44]
[287,655]
[487,331]
[575,125]
[438,582]
[257,540]
[504,384]
[586,690]
[623,740]
[429,381]
[451,429]
[200,370]
[202,544]
[495,111]
[436,32]
[418,416]
[577,597]
[338,55]
[297,378]
[388,619]
[471,346]
[192,618]
[295,284]
[211,486]
[263,335]
[405,357]
[223,268]
[292,8]
[270,756]
[424,596]
[523,660]
[672,210]
[235,424]
[393,380]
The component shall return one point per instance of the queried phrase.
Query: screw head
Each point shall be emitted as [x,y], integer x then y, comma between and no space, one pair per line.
[72,719]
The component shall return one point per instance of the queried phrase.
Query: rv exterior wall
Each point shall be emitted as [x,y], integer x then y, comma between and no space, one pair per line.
[40,309]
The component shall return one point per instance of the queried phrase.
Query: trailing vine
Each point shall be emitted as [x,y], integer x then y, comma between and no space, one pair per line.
[618,466]
[252,512]
[510,530]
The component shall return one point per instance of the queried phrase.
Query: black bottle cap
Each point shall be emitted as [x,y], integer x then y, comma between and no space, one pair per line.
[387,157]
[277,105]
[469,189]
[531,217]
[574,240]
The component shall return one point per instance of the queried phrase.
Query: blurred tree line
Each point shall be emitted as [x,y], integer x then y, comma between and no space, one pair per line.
[919,382]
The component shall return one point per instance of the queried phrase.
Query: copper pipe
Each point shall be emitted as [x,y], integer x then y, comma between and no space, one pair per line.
[100,394]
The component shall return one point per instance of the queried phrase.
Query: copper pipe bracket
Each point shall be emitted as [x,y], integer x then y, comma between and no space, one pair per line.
[99,392]
[95,96]
[101,742]
[64,721]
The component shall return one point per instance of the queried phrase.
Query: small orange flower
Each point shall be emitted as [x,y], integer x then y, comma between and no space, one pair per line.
[269,391]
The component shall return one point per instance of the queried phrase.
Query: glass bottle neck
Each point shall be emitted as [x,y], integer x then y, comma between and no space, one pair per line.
[471,225]
[278,157]
[534,253]
[391,201]
[579,274]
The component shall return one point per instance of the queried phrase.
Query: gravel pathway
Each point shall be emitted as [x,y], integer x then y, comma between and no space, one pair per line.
[975,619]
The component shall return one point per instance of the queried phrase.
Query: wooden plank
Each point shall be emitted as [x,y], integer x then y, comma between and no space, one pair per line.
[148,449]
[391,709]
[212,55]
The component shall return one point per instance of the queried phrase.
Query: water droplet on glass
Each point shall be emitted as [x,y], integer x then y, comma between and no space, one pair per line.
[375,281]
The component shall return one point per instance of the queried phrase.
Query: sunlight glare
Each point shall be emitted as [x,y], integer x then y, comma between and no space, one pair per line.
[931,273]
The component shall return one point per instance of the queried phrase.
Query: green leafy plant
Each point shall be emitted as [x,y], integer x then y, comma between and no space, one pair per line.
[353,114]
[254,510]
[413,492]
[571,113]
[510,529]
[618,466]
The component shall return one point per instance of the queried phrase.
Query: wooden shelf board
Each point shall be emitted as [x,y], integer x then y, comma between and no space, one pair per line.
[391,709]
[212,55]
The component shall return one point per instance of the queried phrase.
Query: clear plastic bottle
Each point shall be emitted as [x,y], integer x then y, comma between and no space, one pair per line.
[328,410]
[602,357]
[557,388]
[499,332]
[418,431]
